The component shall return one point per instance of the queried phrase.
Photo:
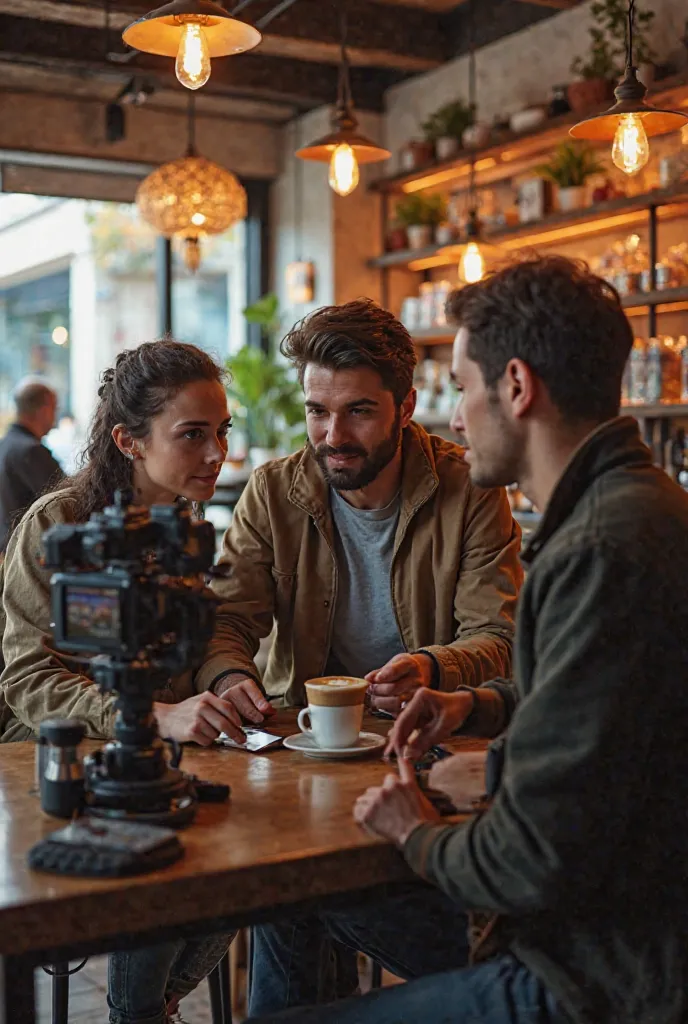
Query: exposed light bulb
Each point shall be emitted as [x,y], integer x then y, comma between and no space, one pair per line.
[193,57]
[472,264]
[631,149]
[344,175]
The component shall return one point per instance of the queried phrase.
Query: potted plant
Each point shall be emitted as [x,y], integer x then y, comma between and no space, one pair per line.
[416,153]
[446,126]
[264,394]
[606,61]
[420,215]
[569,168]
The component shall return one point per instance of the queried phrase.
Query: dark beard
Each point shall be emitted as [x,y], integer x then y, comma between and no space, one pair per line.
[373,464]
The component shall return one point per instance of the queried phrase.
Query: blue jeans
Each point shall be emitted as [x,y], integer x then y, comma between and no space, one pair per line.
[142,982]
[411,929]
[500,991]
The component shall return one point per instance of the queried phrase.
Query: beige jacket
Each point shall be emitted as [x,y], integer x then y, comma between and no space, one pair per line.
[39,682]
[455,571]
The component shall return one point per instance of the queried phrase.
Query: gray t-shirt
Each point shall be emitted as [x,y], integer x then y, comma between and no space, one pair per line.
[365,633]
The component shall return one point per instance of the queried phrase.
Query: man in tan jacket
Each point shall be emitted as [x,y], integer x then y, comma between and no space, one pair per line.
[370,551]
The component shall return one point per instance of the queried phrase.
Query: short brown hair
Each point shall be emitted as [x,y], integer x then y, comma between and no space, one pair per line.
[32,395]
[565,322]
[358,333]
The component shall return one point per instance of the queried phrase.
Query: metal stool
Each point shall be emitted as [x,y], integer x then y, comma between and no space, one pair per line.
[219,983]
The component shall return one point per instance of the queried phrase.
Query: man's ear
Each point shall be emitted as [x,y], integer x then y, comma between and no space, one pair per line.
[519,386]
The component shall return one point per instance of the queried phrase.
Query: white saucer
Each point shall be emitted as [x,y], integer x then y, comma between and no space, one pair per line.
[367,743]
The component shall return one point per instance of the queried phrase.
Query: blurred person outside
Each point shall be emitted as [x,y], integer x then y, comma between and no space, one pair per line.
[27,467]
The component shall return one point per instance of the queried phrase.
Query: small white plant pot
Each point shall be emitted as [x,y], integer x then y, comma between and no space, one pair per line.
[446,148]
[419,236]
[572,199]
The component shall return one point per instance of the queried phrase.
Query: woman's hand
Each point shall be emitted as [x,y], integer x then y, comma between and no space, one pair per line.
[199,719]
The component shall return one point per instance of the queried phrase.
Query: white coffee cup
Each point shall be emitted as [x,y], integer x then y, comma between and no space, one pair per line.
[335,711]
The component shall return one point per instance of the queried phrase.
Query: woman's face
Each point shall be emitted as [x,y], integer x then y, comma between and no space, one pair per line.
[186,446]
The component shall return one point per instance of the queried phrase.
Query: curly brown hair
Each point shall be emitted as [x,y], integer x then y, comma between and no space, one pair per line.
[133,392]
[358,333]
[565,322]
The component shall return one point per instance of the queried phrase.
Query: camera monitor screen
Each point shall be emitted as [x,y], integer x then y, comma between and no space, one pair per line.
[92,613]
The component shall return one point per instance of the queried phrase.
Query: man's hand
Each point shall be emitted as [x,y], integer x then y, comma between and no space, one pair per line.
[396,808]
[429,718]
[398,680]
[199,719]
[461,777]
[245,695]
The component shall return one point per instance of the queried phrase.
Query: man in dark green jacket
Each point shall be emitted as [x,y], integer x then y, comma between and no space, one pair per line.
[578,865]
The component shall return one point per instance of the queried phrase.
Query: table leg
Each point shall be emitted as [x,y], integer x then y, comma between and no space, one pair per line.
[17,1002]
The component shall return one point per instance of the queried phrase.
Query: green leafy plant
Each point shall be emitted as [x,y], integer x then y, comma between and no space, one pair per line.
[266,399]
[265,312]
[420,209]
[450,121]
[607,57]
[570,165]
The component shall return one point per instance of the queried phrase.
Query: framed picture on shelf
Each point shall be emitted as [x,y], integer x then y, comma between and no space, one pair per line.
[534,199]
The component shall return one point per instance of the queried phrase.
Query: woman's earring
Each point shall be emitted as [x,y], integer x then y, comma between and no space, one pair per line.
[129,455]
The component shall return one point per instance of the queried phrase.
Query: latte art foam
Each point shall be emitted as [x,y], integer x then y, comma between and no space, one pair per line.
[336,691]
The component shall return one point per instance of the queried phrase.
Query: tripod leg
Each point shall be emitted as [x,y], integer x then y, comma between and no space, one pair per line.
[60,994]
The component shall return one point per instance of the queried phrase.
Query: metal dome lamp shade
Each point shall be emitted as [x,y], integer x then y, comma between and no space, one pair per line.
[631,121]
[344,148]
[191,197]
[192,31]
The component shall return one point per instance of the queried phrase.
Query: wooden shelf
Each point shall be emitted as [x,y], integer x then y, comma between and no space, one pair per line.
[641,412]
[558,227]
[511,154]
[651,412]
[647,300]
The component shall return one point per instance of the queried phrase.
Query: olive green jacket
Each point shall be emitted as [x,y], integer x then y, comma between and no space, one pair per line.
[37,681]
[455,571]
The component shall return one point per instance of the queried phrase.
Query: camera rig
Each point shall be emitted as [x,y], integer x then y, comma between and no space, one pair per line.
[130,591]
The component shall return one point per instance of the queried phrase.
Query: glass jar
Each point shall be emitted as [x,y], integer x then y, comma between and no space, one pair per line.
[637,373]
[663,371]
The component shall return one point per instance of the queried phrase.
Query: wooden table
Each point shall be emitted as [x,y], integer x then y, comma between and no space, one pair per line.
[286,837]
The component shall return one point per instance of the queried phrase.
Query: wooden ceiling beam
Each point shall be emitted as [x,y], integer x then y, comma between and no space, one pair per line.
[83,49]
[496,19]
[408,39]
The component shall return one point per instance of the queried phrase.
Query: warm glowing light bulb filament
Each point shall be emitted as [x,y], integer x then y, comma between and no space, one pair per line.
[631,149]
[472,265]
[193,57]
[344,174]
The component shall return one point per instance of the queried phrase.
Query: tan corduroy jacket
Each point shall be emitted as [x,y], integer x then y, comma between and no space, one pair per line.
[455,572]
[39,682]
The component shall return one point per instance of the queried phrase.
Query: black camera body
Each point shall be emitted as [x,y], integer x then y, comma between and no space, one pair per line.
[130,591]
